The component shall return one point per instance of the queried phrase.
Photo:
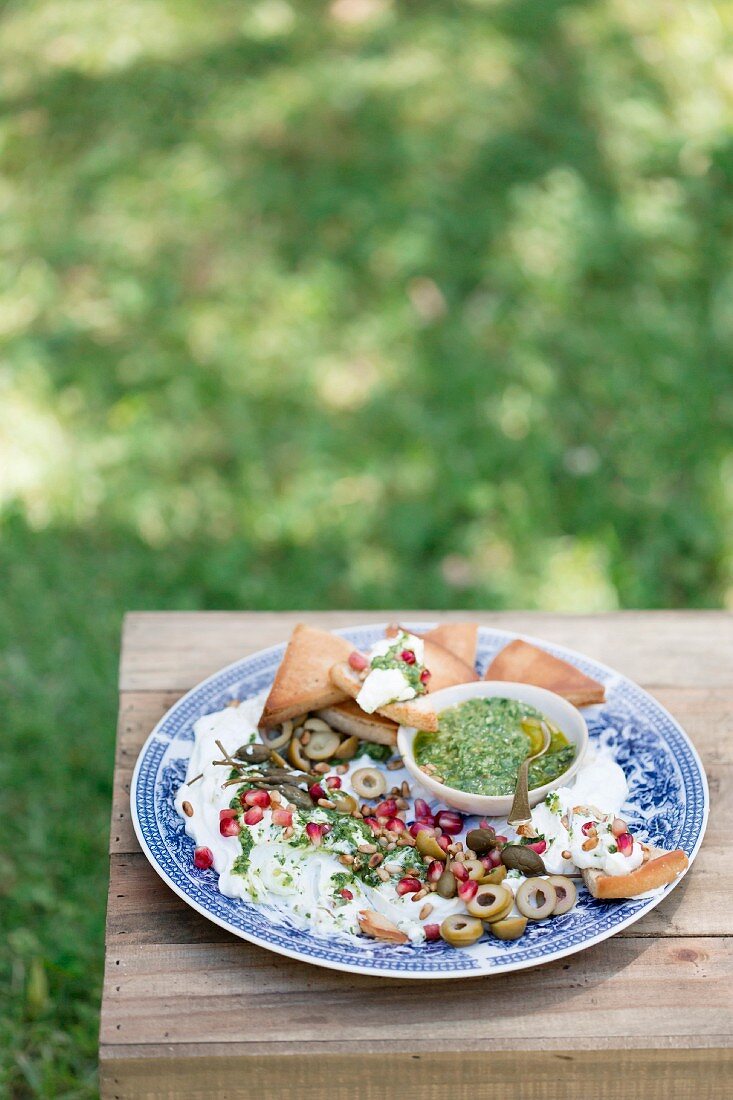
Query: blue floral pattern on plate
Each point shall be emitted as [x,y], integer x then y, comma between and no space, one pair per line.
[668,805]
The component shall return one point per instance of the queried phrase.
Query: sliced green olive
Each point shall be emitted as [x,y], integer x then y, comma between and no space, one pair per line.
[278,737]
[489,902]
[493,877]
[348,749]
[567,895]
[536,898]
[510,929]
[317,725]
[368,782]
[475,868]
[322,744]
[427,845]
[297,757]
[481,841]
[508,906]
[446,885]
[460,930]
[343,803]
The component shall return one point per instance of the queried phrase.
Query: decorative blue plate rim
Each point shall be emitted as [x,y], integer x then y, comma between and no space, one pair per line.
[679,820]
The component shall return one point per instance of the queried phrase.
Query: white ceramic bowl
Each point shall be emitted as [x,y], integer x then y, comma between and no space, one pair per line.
[567,717]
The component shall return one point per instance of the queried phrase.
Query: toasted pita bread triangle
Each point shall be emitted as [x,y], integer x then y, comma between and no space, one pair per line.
[661,867]
[416,712]
[349,718]
[458,638]
[527,664]
[302,682]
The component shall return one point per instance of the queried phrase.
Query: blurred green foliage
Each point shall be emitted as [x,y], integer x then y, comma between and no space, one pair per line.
[366,303]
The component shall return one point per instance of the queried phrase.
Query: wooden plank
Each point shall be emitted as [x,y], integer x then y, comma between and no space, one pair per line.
[621,993]
[166,651]
[706,715]
[348,1075]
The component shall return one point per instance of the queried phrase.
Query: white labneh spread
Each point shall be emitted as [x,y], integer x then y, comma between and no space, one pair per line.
[389,685]
[301,880]
[306,881]
[561,818]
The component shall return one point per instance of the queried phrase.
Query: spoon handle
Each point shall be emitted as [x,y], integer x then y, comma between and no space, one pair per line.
[520,812]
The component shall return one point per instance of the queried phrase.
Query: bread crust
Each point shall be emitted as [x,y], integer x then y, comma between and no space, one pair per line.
[662,867]
[349,718]
[416,712]
[528,664]
[302,682]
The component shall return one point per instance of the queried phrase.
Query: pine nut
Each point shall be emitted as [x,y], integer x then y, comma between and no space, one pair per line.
[187,809]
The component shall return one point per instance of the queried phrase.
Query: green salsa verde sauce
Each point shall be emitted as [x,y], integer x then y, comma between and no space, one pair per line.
[481,743]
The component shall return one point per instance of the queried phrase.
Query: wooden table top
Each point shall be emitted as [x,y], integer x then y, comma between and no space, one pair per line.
[193,1012]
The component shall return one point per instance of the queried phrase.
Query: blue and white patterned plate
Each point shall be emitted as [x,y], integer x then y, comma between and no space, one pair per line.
[668,806]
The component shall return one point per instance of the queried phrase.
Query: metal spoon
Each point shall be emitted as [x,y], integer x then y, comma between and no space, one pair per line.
[521,812]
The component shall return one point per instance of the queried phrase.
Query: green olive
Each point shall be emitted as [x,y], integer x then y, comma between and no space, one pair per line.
[278,737]
[348,749]
[317,725]
[493,877]
[322,744]
[508,906]
[343,803]
[536,898]
[566,894]
[475,868]
[460,930]
[369,782]
[427,845]
[489,902]
[510,929]
[296,757]
[446,885]
[481,841]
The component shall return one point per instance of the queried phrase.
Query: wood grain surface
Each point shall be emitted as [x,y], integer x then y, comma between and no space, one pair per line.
[192,1011]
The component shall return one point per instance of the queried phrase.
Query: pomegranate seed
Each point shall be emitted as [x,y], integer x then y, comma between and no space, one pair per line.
[316,791]
[619,826]
[203,858]
[282,817]
[314,833]
[396,825]
[589,829]
[408,885]
[423,811]
[358,661]
[254,816]
[435,870]
[372,823]
[449,821]
[416,827]
[256,798]
[432,931]
[443,842]
[484,823]
[539,846]
[495,857]
[347,894]
[333,782]
[229,823]
[407,656]
[425,675]
[467,890]
[486,860]
[500,839]
[387,809]
[459,871]
[625,843]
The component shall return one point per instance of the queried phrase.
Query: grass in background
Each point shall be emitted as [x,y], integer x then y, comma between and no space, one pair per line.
[360,304]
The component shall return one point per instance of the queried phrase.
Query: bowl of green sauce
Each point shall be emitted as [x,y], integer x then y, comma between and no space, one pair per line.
[486,729]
